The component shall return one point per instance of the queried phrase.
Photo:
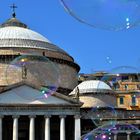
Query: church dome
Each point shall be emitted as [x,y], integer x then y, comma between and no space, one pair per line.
[14,33]
[14,29]
[94,93]
[16,39]
[92,86]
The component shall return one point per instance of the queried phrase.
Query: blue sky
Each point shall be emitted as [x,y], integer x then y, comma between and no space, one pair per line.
[93,49]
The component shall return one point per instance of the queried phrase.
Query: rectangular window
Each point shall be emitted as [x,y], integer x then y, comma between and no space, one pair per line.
[134,100]
[121,100]
[124,78]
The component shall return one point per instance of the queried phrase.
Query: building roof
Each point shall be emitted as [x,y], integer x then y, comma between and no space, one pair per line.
[13,22]
[92,86]
[27,93]
[14,33]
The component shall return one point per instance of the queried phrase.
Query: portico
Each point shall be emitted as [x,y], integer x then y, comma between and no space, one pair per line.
[42,119]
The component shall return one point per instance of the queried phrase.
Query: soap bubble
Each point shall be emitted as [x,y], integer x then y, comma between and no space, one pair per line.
[99,115]
[102,115]
[105,14]
[37,71]
[121,77]
[122,80]
[107,132]
[108,59]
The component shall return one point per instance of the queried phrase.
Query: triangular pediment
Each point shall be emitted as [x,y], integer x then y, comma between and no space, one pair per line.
[25,94]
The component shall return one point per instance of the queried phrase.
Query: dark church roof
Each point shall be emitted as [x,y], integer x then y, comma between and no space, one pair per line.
[13,22]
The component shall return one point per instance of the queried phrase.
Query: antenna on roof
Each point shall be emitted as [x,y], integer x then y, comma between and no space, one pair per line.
[13,7]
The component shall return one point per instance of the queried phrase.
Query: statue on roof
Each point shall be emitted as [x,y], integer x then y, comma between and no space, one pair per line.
[77,93]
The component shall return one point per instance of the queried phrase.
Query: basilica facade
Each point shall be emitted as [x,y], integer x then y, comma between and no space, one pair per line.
[24,112]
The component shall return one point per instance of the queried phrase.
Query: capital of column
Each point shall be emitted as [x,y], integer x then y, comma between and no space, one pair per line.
[32,116]
[62,116]
[77,116]
[1,116]
[115,133]
[15,116]
[47,116]
[128,133]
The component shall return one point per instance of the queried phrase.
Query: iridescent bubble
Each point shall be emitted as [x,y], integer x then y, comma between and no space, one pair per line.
[105,14]
[108,132]
[125,83]
[113,85]
[121,77]
[103,115]
[37,71]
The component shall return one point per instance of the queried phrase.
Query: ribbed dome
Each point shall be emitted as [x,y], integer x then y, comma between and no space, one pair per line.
[94,93]
[16,39]
[92,86]
[13,32]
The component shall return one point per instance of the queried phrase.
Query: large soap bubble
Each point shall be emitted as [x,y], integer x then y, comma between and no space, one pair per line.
[121,77]
[125,82]
[103,115]
[105,14]
[108,132]
[37,71]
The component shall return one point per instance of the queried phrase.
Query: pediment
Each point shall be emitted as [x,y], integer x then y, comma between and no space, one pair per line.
[25,94]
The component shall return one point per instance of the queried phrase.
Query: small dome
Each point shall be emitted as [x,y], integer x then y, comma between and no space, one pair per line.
[105,96]
[92,86]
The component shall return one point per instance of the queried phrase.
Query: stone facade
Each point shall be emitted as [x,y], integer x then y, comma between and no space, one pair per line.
[62,76]
[101,100]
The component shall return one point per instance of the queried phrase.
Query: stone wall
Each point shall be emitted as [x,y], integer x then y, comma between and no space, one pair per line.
[60,74]
[16,51]
[99,99]
[42,73]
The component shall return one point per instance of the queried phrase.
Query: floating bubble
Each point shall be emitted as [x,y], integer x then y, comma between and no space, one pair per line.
[37,71]
[102,115]
[125,83]
[105,115]
[108,59]
[121,77]
[105,14]
[108,132]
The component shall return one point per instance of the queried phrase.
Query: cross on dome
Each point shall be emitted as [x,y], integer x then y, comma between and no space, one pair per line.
[13,7]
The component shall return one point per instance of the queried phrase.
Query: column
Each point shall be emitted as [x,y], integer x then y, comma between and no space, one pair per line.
[115,136]
[77,127]
[62,127]
[128,135]
[15,127]
[1,117]
[47,127]
[32,128]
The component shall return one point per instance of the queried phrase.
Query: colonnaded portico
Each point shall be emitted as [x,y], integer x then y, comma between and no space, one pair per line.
[52,118]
